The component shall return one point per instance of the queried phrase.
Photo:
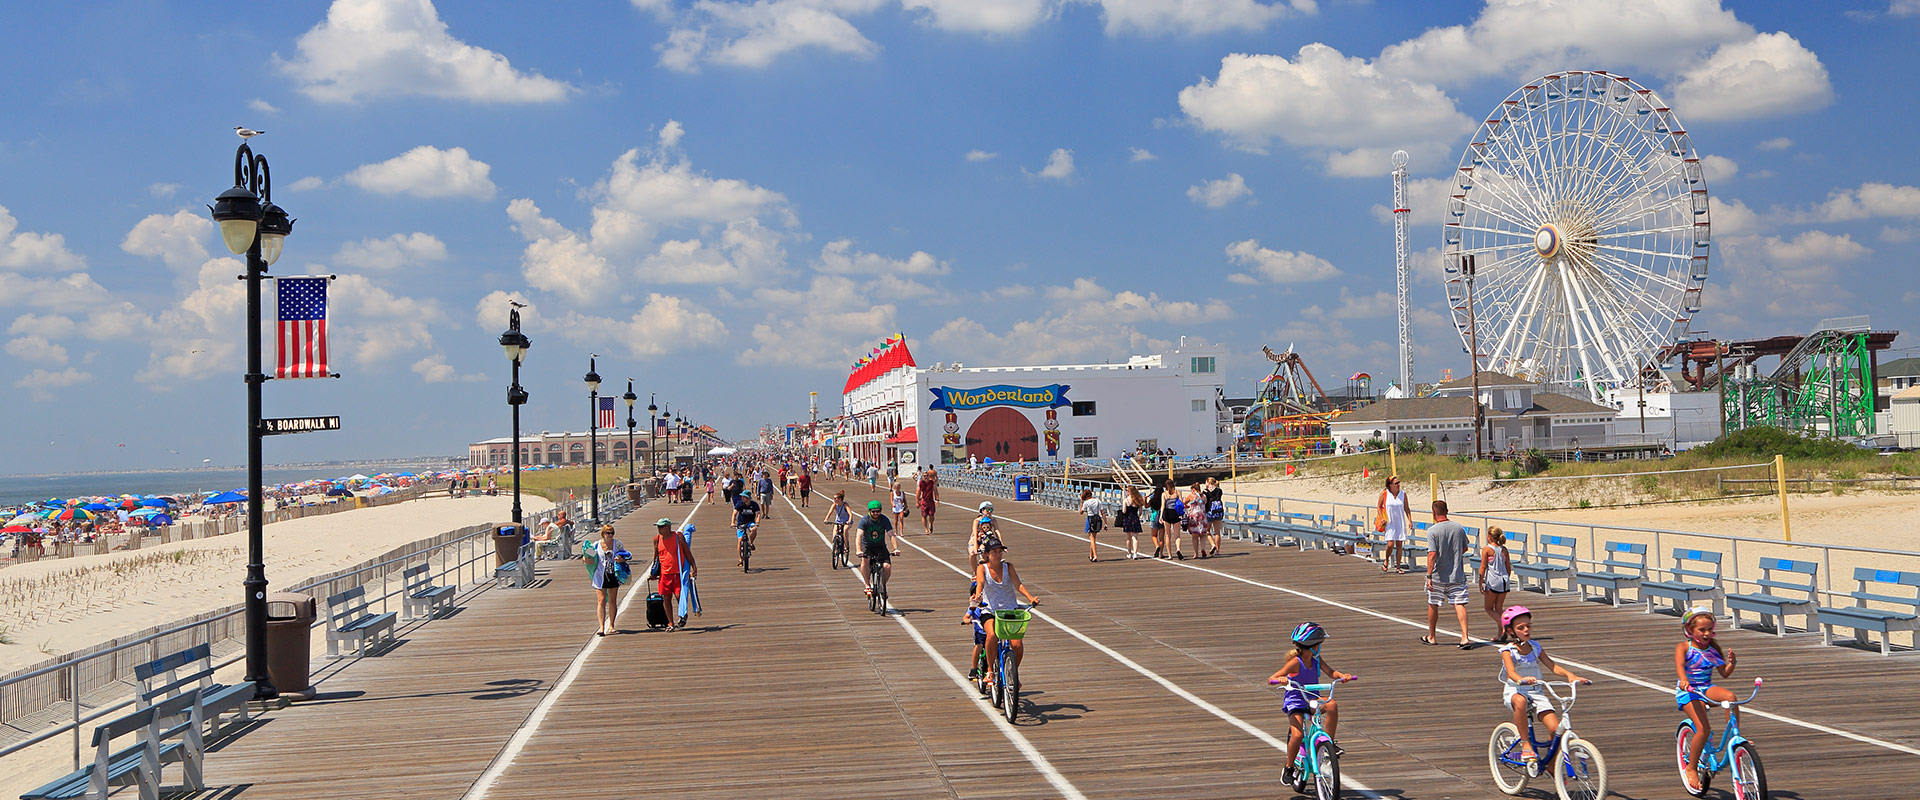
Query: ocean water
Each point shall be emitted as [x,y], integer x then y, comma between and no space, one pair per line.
[16,489]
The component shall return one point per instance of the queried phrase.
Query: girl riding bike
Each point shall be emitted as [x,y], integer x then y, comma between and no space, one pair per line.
[840,517]
[1525,664]
[1305,667]
[1695,660]
[998,587]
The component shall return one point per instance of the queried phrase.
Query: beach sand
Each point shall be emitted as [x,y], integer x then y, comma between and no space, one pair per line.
[56,606]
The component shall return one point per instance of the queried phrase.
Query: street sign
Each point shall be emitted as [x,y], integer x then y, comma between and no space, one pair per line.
[270,427]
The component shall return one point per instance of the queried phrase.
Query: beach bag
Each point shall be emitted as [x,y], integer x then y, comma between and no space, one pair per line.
[1096,523]
[1380,521]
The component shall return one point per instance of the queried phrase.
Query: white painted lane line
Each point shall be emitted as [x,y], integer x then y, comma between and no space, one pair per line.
[1019,740]
[1421,624]
[524,734]
[1170,686]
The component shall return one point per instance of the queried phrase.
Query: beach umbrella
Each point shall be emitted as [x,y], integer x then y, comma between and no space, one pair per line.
[16,529]
[154,502]
[130,504]
[339,491]
[73,515]
[224,498]
[97,507]
[159,519]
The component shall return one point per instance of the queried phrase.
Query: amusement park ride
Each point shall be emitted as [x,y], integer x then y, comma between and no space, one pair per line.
[1290,414]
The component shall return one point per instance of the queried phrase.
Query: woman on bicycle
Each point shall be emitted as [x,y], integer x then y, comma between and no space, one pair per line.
[1525,665]
[1695,660]
[1305,667]
[840,517]
[997,586]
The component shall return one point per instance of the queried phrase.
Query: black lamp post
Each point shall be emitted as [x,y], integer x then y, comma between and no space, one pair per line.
[250,223]
[593,434]
[631,398]
[653,435]
[515,344]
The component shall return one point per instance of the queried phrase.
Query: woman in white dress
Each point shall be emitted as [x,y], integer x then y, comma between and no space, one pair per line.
[1393,506]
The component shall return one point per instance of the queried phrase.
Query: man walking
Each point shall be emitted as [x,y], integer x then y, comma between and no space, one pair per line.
[928,495]
[1446,573]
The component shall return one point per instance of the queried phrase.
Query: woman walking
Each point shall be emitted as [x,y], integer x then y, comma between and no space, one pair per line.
[1131,507]
[1496,576]
[1096,514]
[1196,519]
[607,565]
[1172,516]
[1216,514]
[928,495]
[1392,508]
[1156,500]
[899,498]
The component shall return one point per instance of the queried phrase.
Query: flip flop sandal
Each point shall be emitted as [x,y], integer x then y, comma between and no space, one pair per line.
[1426,641]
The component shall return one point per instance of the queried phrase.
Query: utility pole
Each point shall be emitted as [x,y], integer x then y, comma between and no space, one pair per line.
[1473,344]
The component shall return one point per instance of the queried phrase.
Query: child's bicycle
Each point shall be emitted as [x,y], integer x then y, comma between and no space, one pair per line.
[1579,772]
[840,551]
[1008,627]
[1318,762]
[1749,779]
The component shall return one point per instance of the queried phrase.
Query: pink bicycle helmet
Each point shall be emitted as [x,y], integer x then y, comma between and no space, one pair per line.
[1513,612]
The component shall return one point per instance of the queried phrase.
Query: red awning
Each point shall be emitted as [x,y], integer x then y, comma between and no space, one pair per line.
[905,436]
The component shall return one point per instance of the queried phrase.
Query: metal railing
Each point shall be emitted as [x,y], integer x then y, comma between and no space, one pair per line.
[1737,575]
[89,685]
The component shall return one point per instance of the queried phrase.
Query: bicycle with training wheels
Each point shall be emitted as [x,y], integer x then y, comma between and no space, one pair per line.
[746,546]
[1317,762]
[1008,627]
[1733,753]
[876,586]
[1579,771]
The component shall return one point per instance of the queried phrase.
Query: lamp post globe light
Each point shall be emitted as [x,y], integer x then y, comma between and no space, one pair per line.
[515,344]
[251,224]
[631,398]
[653,434]
[593,435]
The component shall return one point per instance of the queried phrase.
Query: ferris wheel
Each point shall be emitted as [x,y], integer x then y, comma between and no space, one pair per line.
[1580,210]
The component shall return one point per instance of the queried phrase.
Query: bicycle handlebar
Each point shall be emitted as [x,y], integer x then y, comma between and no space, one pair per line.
[1755,693]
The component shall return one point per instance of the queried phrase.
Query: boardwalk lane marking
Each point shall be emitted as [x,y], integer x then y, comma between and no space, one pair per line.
[1421,624]
[1019,740]
[1176,689]
[524,734]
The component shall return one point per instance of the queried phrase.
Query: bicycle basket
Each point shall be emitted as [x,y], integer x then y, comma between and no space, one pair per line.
[1011,625]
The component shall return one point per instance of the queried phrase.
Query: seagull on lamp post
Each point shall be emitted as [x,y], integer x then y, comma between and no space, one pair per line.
[246,132]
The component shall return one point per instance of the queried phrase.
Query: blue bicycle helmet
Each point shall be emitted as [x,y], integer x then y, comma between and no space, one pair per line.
[1309,634]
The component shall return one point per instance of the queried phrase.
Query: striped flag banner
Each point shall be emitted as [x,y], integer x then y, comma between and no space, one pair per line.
[606,412]
[302,331]
[660,426]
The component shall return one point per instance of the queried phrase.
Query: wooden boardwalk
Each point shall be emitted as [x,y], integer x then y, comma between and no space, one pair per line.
[1143,679]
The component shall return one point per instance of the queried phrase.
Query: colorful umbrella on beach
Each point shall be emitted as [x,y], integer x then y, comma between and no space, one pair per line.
[226,497]
[16,529]
[153,502]
[73,515]
[97,507]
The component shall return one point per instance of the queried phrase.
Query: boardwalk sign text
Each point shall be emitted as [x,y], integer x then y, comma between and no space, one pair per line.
[269,427]
[947,398]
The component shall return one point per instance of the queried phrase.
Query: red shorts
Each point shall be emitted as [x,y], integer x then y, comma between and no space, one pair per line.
[670,583]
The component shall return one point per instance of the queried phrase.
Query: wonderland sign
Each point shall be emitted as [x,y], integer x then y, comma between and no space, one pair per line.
[947,398]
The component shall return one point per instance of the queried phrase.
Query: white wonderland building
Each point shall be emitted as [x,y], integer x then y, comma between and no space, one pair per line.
[903,414]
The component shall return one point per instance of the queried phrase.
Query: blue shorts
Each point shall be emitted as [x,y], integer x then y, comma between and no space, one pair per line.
[741,532]
[1682,697]
[979,636]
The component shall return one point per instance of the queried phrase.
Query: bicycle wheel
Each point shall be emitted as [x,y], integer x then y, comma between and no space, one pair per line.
[1749,779]
[1326,765]
[839,552]
[1582,772]
[746,555]
[1503,757]
[880,591]
[1011,684]
[1681,737]
[873,592]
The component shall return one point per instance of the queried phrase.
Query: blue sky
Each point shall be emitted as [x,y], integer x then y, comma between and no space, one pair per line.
[730,200]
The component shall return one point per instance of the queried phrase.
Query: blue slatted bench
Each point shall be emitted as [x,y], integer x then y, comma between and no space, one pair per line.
[1904,617]
[139,764]
[1774,608]
[350,618]
[423,598]
[1624,567]
[1684,593]
[192,670]
[1552,557]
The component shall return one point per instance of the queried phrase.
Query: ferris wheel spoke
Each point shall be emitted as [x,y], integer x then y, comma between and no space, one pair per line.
[1514,195]
[1493,212]
[1642,232]
[1523,310]
[1645,252]
[1620,263]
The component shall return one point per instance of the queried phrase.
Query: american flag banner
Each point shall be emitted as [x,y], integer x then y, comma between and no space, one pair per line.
[302,330]
[660,426]
[606,419]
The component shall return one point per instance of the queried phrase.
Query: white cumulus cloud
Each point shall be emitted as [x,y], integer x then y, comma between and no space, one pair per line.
[40,383]
[980,155]
[981,16]
[1778,143]
[1138,154]
[755,34]
[1220,193]
[1195,17]
[1872,199]
[390,48]
[435,369]
[1279,266]
[178,239]
[665,324]
[392,252]
[427,171]
[29,251]
[1059,165]
[1768,75]
[839,257]
[37,349]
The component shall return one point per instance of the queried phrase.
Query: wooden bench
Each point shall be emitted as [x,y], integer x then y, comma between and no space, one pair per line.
[1688,564]
[1863,619]
[1624,567]
[192,670]
[1774,608]
[423,598]
[139,764]
[1270,533]
[1547,562]
[350,618]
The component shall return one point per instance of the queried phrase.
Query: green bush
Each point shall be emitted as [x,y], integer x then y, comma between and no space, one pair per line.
[1763,443]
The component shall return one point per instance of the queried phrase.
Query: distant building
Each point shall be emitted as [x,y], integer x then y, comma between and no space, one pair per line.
[1517,412]
[1904,422]
[1897,376]
[571,448]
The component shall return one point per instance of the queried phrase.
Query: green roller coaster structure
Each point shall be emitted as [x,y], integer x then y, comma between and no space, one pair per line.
[1823,387]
